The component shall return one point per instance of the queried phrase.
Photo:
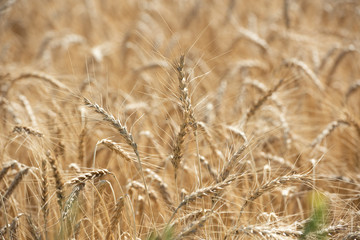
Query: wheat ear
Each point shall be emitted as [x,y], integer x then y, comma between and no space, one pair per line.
[27,130]
[18,178]
[12,227]
[271,185]
[194,226]
[337,61]
[251,111]
[188,115]
[161,185]
[7,168]
[115,218]
[72,198]
[353,87]
[124,133]
[212,190]
[232,162]
[58,179]
[39,75]
[44,194]
[327,131]
[116,148]
[301,65]
[29,111]
[210,140]
[88,176]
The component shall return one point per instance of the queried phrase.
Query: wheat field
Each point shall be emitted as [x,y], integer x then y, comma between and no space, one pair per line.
[169,119]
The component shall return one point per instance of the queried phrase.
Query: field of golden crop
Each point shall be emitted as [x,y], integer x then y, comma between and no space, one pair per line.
[164,119]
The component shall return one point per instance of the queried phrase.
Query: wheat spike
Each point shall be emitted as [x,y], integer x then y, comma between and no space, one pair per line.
[115,218]
[72,198]
[327,131]
[27,130]
[116,148]
[19,176]
[58,179]
[44,194]
[88,176]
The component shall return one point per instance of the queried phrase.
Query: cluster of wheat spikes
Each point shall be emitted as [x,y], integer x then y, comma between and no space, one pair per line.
[164,119]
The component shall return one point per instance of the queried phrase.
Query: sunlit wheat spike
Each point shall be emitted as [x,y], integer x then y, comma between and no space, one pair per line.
[18,178]
[116,148]
[161,185]
[6,168]
[58,179]
[44,193]
[273,184]
[194,226]
[352,89]
[11,227]
[251,111]
[72,198]
[327,131]
[27,130]
[41,76]
[302,65]
[211,190]
[114,122]
[88,176]
[232,162]
[115,218]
